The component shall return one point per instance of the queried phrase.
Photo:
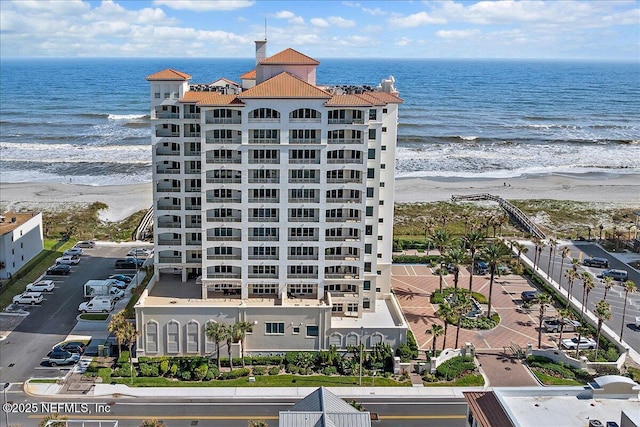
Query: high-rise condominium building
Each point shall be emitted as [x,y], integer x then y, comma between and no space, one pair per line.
[273,205]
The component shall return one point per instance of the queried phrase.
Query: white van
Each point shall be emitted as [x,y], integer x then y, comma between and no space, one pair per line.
[97,305]
[621,275]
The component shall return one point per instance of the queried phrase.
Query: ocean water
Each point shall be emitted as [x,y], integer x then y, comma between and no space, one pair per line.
[87,120]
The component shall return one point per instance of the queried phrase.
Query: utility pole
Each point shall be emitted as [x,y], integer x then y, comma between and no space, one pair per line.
[361,351]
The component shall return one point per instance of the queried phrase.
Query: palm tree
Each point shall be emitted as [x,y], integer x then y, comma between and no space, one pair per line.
[117,326]
[216,332]
[536,243]
[53,417]
[472,239]
[629,287]
[565,313]
[258,423]
[564,253]
[544,300]
[240,330]
[603,313]
[228,337]
[436,330]
[552,249]
[444,312]
[455,256]
[572,275]
[587,286]
[540,247]
[582,330]
[129,337]
[460,307]
[575,262]
[440,239]
[608,284]
[522,249]
[492,254]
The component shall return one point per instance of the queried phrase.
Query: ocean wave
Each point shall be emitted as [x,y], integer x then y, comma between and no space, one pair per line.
[127,116]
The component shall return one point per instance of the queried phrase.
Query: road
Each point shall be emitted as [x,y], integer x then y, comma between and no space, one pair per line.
[615,296]
[24,352]
[435,412]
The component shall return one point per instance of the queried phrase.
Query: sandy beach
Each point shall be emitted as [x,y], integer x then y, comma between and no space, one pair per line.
[124,200]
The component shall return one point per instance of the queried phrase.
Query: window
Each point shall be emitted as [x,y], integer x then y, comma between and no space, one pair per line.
[372,134]
[366,303]
[337,307]
[373,114]
[152,338]
[384,147]
[371,153]
[378,290]
[369,210]
[264,113]
[382,184]
[381,202]
[384,129]
[367,248]
[384,110]
[381,220]
[157,95]
[371,173]
[367,267]
[379,237]
[312,331]
[295,330]
[367,285]
[305,113]
[368,230]
[383,166]
[352,307]
[379,255]
[369,192]
[274,328]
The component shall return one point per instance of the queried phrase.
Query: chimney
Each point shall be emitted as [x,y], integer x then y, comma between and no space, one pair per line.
[261,50]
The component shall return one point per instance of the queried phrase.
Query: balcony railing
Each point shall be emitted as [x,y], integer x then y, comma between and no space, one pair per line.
[341,257]
[264,161]
[193,170]
[304,161]
[194,242]
[224,120]
[302,275]
[193,225]
[347,276]
[342,238]
[167,134]
[305,219]
[224,219]
[264,120]
[224,181]
[344,219]
[264,200]
[164,151]
[345,141]
[168,207]
[169,259]
[305,140]
[304,180]
[224,276]
[264,238]
[264,140]
[165,115]
[346,121]
[192,152]
[168,224]
[210,140]
[263,219]
[304,200]
[214,160]
[168,189]
[192,134]
[262,275]
[168,170]
[264,257]
[193,207]
[305,120]
[191,115]
[343,200]
[302,257]
[223,238]
[162,241]
[344,180]
[303,238]
[345,161]
[264,180]
[224,199]
[224,257]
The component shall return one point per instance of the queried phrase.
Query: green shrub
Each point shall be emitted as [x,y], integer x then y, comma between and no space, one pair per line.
[293,369]
[123,371]
[173,370]
[606,370]
[201,372]
[413,345]
[404,353]
[123,358]
[164,367]
[259,370]
[274,370]
[411,259]
[236,373]
[148,370]
[611,355]
[212,373]
[330,370]
[456,367]
[185,375]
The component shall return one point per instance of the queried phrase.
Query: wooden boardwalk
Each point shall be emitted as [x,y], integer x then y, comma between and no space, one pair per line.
[514,212]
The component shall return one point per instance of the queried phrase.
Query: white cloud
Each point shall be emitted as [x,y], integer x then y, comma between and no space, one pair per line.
[458,34]
[415,20]
[339,21]
[319,22]
[204,5]
[403,41]
[284,14]
[374,12]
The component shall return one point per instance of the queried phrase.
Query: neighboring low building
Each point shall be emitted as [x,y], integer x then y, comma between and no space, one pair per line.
[20,240]
[610,401]
[323,409]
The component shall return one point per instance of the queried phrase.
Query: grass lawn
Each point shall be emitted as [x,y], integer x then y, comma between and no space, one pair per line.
[466,381]
[43,381]
[94,316]
[549,380]
[267,381]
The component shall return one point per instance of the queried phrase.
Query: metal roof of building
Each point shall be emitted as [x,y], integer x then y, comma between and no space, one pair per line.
[323,409]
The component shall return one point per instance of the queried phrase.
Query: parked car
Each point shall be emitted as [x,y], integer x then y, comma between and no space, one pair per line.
[116,294]
[620,275]
[41,286]
[554,325]
[121,277]
[138,261]
[480,267]
[28,298]
[503,269]
[139,252]
[85,244]
[528,296]
[59,269]
[118,284]
[61,357]
[97,305]
[596,262]
[585,343]
[72,251]
[125,263]
[68,259]
[71,347]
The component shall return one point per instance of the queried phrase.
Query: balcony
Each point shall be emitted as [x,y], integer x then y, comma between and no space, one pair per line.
[344,219]
[224,218]
[342,238]
[168,170]
[193,225]
[313,238]
[346,121]
[224,199]
[264,199]
[233,180]
[160,188]
[225,276]
[344,276]
[304,199]
[161,150]
[211,140]
[305,140]
[170,259]
[193,189]
[224,257]
[168,207]
[194,242]
[193,153]
[344,161]
[346,257]
[192,134]
[264,161]
[304,219]
[302,257]
[344,295]
[224,160]
[315,180]
[191,207]
[166,115]
[264,140]
[192,171]
[223,120]
[345,141]
[343,200]
[262,275]
[165,133]
[304,161]
[302,275]
[168,224]
[264,219]
[192,116]
[346,180]
[264,238]
[169,241]
[275,180]
[263,257]
[231,238]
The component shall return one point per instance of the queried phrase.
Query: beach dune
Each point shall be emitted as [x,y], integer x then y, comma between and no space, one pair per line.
[123,200]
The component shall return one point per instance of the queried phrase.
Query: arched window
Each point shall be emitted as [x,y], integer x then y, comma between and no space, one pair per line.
[151,337]
[173,337]
[193,340]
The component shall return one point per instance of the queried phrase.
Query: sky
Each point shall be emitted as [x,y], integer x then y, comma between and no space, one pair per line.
[556,29]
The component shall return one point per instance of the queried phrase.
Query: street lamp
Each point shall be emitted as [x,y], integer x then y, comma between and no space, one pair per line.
[361,349]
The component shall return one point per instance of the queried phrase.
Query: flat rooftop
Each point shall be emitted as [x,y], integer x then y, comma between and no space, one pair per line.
[9,221]
[562,407]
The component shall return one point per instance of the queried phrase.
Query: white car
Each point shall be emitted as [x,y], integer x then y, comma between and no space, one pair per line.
[72,251]
[139,252]
[85,244]
[28,298]
[41,286]
[554,325]
[68,259]
[116,294]
[585,343]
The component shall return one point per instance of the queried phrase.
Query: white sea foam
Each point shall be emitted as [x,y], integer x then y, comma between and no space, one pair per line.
[126,116]
[73,153]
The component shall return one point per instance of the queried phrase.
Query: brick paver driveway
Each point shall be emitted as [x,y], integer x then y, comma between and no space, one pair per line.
[413,285]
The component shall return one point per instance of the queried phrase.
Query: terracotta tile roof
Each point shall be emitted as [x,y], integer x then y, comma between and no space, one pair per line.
[210,98]
[353,101]
[289,57]
[168,74]
[486,409]
[284,85]
[387,98]
[249,75]
[231,82]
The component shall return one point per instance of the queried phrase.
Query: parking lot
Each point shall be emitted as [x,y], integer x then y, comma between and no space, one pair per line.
[50,322]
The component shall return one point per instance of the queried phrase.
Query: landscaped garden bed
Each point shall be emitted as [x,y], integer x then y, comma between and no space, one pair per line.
[456,372]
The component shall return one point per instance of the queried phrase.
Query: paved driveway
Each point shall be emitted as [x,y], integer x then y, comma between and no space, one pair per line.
[413,285]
